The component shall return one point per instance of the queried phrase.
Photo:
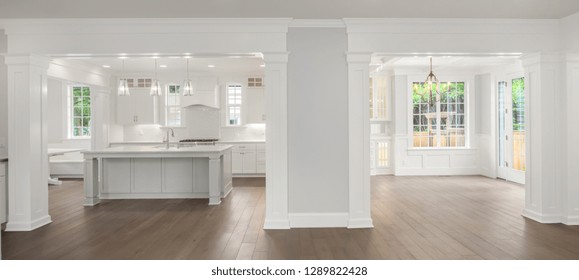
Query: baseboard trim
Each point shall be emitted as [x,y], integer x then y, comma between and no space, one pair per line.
[544,219]
[276,224]
[571,220]
[318,220]
[435,171]
[28,226]
[360,223]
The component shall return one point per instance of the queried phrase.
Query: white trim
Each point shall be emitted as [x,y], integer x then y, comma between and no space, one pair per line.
[359,140]
[460,26]
[545,219]
[437,171]
[571,220]
[318,220]
[23,226]
[276,189]
[317,23]
[136,26]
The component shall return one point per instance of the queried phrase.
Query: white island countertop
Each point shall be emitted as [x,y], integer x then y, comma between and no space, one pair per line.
[158,151]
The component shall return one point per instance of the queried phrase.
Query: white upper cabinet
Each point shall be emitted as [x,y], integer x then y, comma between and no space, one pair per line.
[255,105]
[137,108]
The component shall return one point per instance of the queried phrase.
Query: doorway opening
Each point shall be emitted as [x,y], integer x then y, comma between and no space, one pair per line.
[511,129]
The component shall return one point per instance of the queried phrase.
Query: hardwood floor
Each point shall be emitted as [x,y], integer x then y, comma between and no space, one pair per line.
[466,217]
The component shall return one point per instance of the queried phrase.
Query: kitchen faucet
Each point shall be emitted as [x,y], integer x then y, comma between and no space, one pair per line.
[172,134]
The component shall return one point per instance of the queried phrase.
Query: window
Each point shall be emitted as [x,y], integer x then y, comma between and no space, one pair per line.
[79,113]
[173,106]
[443,124]
[255,82]
[234,104]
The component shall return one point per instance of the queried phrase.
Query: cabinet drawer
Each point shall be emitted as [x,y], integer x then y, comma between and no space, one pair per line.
[244,147]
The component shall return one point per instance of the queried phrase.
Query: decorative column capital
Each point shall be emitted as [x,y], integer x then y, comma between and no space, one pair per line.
[27,59]
[358,57]
[541,58]
[275,57]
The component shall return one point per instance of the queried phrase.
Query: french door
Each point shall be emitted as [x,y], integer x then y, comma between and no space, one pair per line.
[511,130]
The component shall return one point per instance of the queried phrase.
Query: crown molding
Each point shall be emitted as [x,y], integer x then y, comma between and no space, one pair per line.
[143,26]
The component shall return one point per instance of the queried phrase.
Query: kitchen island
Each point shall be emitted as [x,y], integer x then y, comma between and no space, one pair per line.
[140,172]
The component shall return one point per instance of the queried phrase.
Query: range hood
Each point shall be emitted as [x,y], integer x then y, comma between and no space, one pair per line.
[202,107]
[205,100]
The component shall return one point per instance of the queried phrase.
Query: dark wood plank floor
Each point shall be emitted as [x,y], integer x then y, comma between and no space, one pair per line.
[466,217]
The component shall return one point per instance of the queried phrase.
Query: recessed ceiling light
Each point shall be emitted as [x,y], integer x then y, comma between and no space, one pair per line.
[163,66]
[263,65]
[106,66]
[211,66]
[123,57]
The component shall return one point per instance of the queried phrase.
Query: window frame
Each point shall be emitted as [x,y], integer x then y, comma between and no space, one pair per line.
[167,106]
[70,112]
[468,120]
[228,105]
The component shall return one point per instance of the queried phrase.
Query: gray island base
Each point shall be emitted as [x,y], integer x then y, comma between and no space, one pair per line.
[157,173]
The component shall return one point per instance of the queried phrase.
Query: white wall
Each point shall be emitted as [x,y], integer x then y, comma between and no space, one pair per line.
[3,97]
[317,121]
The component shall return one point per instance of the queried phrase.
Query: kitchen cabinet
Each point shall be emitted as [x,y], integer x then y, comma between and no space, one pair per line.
[137,108]
[248,160]
[3,193]
[255,105]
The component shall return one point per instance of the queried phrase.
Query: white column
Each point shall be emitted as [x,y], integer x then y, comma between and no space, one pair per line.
[359,140]
[214,180]
[545,138]
[276,200]
[91,181]
[571,195]
[27,141]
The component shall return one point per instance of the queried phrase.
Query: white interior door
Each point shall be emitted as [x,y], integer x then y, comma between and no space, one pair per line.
[511,129]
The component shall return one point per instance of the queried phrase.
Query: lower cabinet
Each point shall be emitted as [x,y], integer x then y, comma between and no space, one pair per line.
[248,159]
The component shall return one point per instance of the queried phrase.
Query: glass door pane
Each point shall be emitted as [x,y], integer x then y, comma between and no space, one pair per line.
[518,109]
[501,117]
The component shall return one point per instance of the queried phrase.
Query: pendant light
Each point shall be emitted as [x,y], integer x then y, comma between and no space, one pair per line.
[432,87]
[123,89]
[187,84]
[156,85]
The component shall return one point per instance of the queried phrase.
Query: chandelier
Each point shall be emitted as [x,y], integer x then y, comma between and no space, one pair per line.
[432,87]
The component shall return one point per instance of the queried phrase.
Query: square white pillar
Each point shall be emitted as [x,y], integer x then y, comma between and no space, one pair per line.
[27,142]
[546,138]
[359,140]
[276,188]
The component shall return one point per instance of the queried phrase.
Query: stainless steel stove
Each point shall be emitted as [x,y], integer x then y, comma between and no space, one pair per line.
[204,141]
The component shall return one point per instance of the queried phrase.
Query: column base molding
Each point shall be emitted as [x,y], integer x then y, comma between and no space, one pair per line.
[28,226]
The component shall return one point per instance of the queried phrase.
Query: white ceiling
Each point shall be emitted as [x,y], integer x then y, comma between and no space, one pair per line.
[301,9]
[145,64]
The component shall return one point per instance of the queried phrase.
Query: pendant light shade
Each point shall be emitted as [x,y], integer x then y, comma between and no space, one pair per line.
[156,89]
[187,84]
[123,89]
